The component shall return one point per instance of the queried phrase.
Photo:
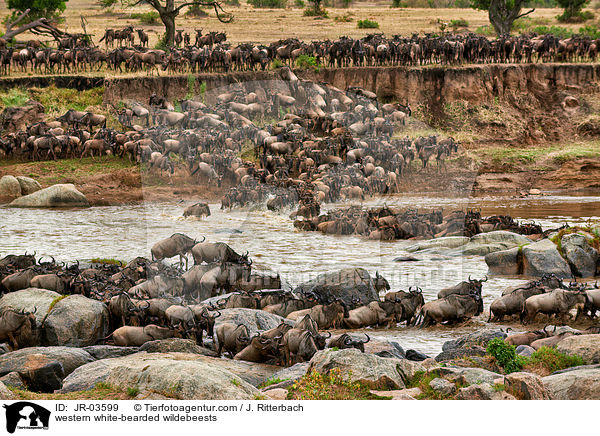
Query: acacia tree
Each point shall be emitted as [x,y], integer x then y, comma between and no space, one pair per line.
[572,9]
[502,13]
[168,10]
[37,8]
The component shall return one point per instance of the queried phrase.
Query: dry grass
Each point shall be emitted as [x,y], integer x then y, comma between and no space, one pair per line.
[267,25]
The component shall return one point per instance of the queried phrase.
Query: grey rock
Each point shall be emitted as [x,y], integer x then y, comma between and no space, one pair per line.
[255,320]
[76,321]
[39,372]
[468,376]
[503,263]
[585,346]
[176,345]
[478,338]
[70,358]
[28,185]
[581,256]
[14,380]
[377,372]
[460,353]
[292,373]
[9,187]
[62,195]
[526,386]
[582,384]
[100,352]
[443,386]
[524,350]
[542,258]
[5,393]
[447,242]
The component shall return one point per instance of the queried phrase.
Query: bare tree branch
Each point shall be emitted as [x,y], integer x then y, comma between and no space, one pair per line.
[9,26]
[526,13]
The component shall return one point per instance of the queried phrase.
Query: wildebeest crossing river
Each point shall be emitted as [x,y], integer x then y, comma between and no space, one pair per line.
[124,232]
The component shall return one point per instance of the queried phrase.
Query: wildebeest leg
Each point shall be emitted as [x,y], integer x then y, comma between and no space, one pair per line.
[13,341]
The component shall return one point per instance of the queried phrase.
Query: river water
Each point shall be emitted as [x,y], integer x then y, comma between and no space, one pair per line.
[124,232]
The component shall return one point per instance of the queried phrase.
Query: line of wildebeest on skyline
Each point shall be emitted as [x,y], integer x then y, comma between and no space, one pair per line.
[211,53]
[283,143]
[149,300]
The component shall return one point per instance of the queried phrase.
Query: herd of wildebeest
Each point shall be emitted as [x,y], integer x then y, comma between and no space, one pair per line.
[283,143]
[210,52]
[148,300]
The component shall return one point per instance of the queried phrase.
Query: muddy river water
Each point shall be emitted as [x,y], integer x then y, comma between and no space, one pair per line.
[124,232]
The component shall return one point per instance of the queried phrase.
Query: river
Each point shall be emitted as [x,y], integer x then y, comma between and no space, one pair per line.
[124,232]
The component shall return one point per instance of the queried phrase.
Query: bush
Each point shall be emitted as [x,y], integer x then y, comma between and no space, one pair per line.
[505,355]
[107,4]
[268,4]
[161,44]
[276,64]
[461,22]
[50,9]
[146,17]
[399,4]
[332,386]
[299,3]
[346,18]
[551,360]
[305,62]
[368,24]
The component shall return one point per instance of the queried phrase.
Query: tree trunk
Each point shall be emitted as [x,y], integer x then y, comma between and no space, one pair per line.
[168,20]
[502,16]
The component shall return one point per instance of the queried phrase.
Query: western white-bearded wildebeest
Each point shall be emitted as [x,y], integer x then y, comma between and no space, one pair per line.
[18,280]
[210,252]
[157,287]
[221,278]
[198,210]
[129,336]
[91,120]
[298,346]
[260,349]
[122,308]
[52,282]
[411,302]
[240,299]
[551,341]
[71,117]
[289,306]
[231,338]
[18,261]
[512,304]
[527,338]
[13,322]
[258,282]
[207,172]
[558,302]
[463,288]
[278,296]
[330,315]
[375,313]
[176,244]
[346,341]
[100,146]
[452,308]
[593,297]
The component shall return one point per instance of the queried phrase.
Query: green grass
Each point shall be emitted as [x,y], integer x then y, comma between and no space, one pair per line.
[556,153]
[133,391]
[421,380]
[14,97]
[306,62]
[55,302]
[59,100]
[272,381]
[146,17]
[235,382]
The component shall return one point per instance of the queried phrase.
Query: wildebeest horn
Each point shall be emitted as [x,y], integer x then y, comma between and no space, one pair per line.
[347,340]
[217,315]
[486,279]
[470,278]
[327,337]
[368,339]
[249,262]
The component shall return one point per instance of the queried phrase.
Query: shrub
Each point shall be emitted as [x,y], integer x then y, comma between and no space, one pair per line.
[146,17]
[505,355]
[550,360]
[299,3]
[132,392]
[315,12]
[399,4]
[346,18]
[306,62]
[368,24]
[276,64]
[332,386]
[268,4]
[461,22]
[591,31]
[161,44]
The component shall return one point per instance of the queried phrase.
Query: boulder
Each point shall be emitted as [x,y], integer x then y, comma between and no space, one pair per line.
[279,394]
[255,320]
[76,321]
[39,372]
[346,284]
[503,263]
[28,185]
[376,372]
[526,386]
[460,353]
[542,258]
[292,373]
[582,384]
[176,345]
[87,376]
[524,350]
[100,352]
[62,195]
[175,375]
[402,394]
[443,387]
[385,349]
[467,376]
[69,358]
[585,346]
[485,243]
[10,187]
[13,379]
[479,338]
[482,391]
[434,245]
[581,257]
[5,393]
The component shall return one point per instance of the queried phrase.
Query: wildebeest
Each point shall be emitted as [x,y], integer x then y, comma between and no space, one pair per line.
[452,308]
[558,302]
[176,244]
[260,349]
[512,304]
[411,302]
[12,322]
[210,252]
[128,336]
[197,210]
[375,313]
[463,288]
[231,338]
[346,341]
